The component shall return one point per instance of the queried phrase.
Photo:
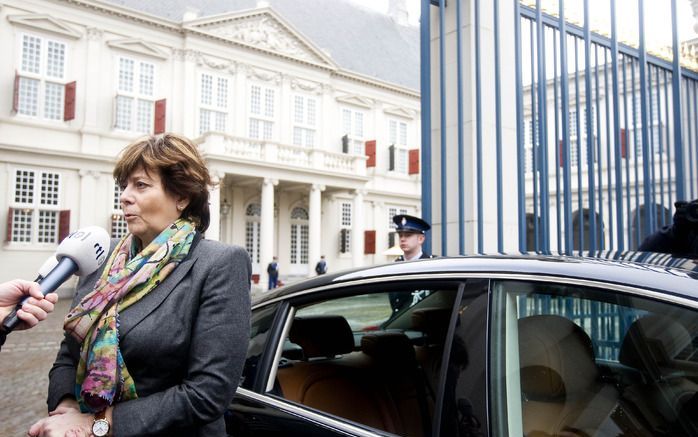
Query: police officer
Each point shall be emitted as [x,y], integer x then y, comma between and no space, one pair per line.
[412,233]
[680,239]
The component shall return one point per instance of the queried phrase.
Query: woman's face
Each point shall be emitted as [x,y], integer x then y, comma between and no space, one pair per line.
[148,208]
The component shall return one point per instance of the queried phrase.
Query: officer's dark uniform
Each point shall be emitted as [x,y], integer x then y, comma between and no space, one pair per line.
[407,223]
[680,239]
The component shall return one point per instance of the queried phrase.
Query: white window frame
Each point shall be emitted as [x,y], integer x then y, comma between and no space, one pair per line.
[301,240]
[42,76]
[392,211]
[254,222]
[118,223]
[398,136]
[353,123]
[346,224]
[135,95]
[263,119]
[35,207]
[305,121]
[219,106]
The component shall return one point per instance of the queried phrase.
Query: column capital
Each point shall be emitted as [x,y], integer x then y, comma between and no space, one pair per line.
[94,34]
[360,192]
[319,187]
[271,181]
[93,173]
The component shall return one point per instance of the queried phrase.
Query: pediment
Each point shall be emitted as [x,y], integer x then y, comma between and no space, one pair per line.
[356,100]
[262,29]
[46,23]
[400,112]
[138,46]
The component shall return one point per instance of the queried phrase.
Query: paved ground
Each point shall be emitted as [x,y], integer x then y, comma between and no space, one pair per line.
[25,360]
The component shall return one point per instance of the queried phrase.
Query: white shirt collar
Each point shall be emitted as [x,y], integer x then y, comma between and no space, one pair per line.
[419,255]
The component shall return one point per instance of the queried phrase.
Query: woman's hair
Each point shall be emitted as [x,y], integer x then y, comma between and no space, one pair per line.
[181,168]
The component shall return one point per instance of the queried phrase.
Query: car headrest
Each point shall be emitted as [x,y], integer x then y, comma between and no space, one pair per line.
[556,358]
[389,348]
[322,336]
[653,340]
[433,322]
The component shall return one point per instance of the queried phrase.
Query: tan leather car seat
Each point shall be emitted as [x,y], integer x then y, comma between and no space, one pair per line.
[561,391]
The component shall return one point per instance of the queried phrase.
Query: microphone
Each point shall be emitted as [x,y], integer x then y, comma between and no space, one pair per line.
[46,268]
[80,253]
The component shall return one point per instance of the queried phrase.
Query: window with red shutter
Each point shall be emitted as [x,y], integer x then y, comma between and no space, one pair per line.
[414,161]
[63,224]
[15,94]
[160,110]
[69,101]
[369,242]
[371,153]
[8,235]
[623,143]
[561,152]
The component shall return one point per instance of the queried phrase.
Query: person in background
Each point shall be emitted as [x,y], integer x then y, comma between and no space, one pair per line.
[33,310]
[321,266]
[412,233]
[156,340]
[273,271]
[680,239]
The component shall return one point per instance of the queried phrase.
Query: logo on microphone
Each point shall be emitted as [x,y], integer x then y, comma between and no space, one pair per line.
[99,252]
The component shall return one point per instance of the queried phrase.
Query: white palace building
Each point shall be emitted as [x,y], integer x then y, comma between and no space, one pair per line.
[307,112]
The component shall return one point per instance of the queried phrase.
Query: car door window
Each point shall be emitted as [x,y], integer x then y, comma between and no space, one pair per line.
[359,359]
[573,360]
[260,326]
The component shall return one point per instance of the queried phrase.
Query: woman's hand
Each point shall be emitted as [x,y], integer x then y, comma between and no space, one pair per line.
[65,406]
[71,423]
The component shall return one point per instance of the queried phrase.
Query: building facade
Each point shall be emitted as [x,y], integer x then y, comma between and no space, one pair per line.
[313,141]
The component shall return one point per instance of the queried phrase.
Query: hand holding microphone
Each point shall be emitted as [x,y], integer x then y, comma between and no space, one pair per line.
[81,253]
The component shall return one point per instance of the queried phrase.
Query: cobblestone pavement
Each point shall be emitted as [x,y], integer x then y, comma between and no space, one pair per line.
[25,360]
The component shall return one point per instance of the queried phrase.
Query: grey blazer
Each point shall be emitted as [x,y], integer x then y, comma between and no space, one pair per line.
[184,344]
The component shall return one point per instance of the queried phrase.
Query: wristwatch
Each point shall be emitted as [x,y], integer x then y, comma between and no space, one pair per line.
[100,427]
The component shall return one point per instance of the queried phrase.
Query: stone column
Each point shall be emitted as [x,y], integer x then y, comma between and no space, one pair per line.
[214,228]
[314,227]
[89,190]
[357,229]
[266,245]
[93,94]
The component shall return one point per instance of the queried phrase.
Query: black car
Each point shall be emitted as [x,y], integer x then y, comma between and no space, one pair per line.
[502,346]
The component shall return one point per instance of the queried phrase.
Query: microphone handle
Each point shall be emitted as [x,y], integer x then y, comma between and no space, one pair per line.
[63,270]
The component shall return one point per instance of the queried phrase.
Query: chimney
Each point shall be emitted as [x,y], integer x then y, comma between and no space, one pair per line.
[397,10]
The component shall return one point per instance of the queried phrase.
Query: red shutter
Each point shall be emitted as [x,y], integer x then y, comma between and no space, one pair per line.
[414,161]
[63,224]
[15,94]
[160,109]
[369,242]
[561,152]
[371,153]
[69,102]
[8,235]
[623,144]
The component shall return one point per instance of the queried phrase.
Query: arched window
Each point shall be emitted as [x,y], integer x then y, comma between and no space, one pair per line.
[299,236]
[585,218]
[252,215]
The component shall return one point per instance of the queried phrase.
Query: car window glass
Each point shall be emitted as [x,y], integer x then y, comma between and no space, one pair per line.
[260,324]
[585,361]
[360,359]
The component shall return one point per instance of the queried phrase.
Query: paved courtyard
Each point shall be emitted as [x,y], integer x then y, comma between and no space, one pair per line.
[25,360]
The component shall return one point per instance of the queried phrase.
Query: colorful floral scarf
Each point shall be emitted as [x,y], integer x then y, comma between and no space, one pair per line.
[102,377]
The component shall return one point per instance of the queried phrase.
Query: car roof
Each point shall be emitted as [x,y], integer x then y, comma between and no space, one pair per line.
[651,271]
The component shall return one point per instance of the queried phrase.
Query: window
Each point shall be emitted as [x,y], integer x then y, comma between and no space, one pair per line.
[654,132]
[384,359]
[213,103]
[353,128]
[528,144]
[252,232]
[119,228]
[262,102]
[261,321]
[397,137]
[345,227]
[34,209]
[299,236]
[578,143]
[41,78]
[304,120]
[619,361]
[135,96]
[392,212]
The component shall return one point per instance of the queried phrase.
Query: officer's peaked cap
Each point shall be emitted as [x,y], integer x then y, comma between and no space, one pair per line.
[408,223]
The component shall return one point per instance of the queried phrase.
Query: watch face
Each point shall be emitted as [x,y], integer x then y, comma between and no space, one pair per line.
[100,428]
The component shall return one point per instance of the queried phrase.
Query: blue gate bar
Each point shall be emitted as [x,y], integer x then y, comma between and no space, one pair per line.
[691,139]
[636,172]
[534,138]
[520,174]
[676,89]
[590,148]
[668,136]
[651,183]
[558,147]
[601,237]
[609,141]
[627,149]
[461,146]
[645,123]
[425,107]
[661,121]
[442,99]
[498,133]
[478,125]
[578,148]
[616,129]
[542,135]
[565,128]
